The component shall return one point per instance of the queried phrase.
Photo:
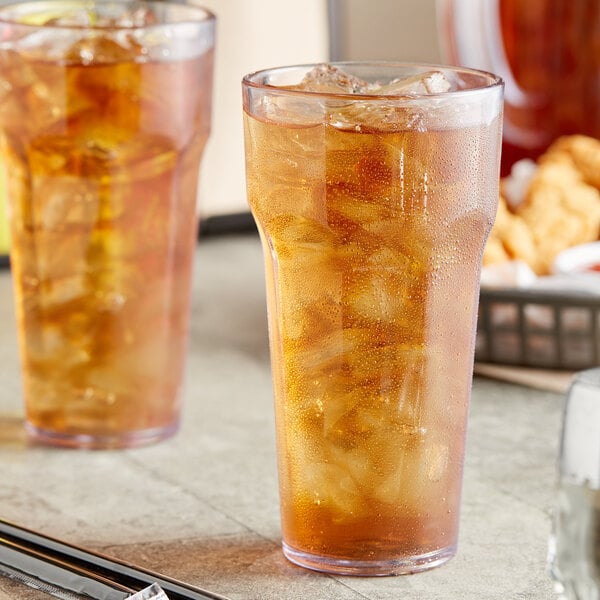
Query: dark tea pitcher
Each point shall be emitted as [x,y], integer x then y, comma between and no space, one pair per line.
[547,52]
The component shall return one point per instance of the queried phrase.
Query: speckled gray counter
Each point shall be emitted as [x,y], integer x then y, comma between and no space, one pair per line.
[203,506]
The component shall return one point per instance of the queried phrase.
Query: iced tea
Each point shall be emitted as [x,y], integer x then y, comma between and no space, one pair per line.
[104,125]
[373,213]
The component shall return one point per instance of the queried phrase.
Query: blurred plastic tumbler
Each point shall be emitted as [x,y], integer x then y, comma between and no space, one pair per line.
[104,116]
[374,187]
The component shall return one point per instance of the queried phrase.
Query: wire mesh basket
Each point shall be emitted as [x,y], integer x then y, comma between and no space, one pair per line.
[557,330]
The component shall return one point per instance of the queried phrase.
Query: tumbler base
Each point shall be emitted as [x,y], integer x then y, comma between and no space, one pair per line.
[128,439]
[368,568]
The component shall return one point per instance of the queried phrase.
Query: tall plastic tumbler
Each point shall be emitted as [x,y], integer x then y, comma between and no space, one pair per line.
[104,114]
[374,187]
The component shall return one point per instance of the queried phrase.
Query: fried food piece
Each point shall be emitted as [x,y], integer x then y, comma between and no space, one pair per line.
[581,151]
[495,253]
[560,209]
[510,239]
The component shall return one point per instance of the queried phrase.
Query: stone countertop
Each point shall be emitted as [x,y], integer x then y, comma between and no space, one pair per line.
[203,506]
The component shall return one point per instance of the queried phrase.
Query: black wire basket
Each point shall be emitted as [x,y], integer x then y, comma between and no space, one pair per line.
[533,328]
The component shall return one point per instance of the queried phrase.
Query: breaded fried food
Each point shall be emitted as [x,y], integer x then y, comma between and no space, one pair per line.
[510,239]
[560,209]
[581,151]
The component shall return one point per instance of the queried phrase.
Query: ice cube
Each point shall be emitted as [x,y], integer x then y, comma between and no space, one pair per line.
[418,102]
[105,49]
[330,485]
[65,201]
[71,35]
[339,408]
[432,82]
[303,246]
[436,458]
[381,296]
[293,110]
[358,463]
[138,17]
[56,294]
[326,78]
[48,343]
[326,354]
[50,43]
[329,79]
[396,487]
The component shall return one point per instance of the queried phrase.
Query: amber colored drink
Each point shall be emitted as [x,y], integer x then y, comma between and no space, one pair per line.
[103,135]
[548,53]
[373,214]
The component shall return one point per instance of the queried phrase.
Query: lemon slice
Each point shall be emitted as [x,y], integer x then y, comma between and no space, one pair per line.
[63,14]
[4,239]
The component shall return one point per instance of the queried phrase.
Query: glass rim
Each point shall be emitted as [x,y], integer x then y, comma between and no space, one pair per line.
[493,81]
[205,16]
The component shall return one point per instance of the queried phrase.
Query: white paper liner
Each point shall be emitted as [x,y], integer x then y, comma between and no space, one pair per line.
[153,592]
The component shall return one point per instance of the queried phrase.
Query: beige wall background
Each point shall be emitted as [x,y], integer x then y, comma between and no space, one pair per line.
[254,34]
[403,30]
[251,35]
